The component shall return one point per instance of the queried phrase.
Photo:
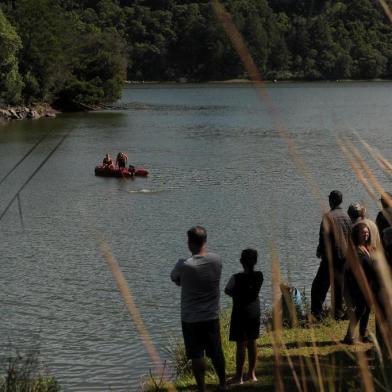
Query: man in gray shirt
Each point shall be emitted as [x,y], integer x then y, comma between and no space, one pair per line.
[199,278]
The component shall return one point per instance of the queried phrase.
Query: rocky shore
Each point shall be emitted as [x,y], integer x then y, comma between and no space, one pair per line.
[26,112]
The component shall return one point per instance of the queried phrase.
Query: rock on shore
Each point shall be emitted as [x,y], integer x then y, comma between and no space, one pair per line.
[26,112]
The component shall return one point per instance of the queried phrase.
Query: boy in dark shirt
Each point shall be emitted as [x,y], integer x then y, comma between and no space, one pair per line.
[244,288]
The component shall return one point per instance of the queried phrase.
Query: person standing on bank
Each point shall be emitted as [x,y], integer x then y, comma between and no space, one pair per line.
[357,213]
[199,278]
[333,240]
[244,288]
[361,273]
[384,217]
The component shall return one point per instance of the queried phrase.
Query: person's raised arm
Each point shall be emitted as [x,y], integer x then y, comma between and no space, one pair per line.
[176,272]
[321,245]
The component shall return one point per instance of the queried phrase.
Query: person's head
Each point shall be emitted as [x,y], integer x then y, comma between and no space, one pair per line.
[248,259]
[386,199]
[335,198]
[355,211]
[197,238]
[107,156]
[360,234]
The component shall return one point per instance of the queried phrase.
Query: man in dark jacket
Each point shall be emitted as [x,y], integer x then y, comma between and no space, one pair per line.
[332,248]
[384,217]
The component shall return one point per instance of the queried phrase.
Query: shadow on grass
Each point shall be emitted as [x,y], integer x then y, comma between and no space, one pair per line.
[312,356]
[339,372]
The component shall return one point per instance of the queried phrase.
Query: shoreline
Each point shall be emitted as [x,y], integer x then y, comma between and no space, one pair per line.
[31,112]
[185,81]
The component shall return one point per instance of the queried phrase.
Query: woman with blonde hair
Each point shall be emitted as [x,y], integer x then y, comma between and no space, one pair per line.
[357,214]
[361,279]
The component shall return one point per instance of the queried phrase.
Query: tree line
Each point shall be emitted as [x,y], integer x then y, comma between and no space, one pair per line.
[67,51]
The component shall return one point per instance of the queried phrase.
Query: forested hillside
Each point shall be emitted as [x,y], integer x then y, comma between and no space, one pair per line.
[68,51]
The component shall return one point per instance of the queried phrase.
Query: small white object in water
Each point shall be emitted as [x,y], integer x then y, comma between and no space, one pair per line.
[142,191]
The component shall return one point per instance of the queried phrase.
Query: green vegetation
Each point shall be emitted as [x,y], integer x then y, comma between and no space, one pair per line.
[314,355]
[22,375]
[10,79]
[80,51]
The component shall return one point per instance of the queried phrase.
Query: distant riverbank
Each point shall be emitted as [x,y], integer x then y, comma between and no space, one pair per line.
[247,81]
[31,112]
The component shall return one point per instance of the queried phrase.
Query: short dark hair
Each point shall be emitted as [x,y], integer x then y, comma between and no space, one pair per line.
[355,211]
[249,258]
[197,236]
[356,230]
[335,198]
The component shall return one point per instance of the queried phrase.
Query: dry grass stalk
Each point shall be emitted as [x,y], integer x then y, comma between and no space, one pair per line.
[385,322]
[367,376]
[357,171]
[376,185]
[277,341]
[286,297]
[317,362]
[133,309]
[384,164]
[255,76]
[386,9]
[329,226]
[277,321]
[292,368]
[303,374]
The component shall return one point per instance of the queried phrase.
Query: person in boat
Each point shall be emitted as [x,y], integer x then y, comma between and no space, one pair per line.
[107,160]
[131,170]
[121,160]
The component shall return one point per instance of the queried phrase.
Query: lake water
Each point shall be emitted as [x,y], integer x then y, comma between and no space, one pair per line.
[216,159]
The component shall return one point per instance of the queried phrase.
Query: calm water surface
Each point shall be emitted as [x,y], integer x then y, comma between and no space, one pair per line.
[216,159]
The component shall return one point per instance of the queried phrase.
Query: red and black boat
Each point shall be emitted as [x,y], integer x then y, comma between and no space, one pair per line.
[115,171]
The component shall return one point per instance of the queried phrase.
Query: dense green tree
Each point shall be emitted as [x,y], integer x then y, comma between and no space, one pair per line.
[98,70]
[77,50]
[44,28]
[10,79]
[196,41]
[255,21]
[148,33]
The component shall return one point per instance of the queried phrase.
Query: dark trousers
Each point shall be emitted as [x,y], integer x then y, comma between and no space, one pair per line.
[360,314]
[321,284]
[382,317]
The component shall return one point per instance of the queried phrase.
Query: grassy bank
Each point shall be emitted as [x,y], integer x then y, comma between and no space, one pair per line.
[307,359]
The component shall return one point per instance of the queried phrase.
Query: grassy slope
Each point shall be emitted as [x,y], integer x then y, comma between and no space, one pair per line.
[317,358]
